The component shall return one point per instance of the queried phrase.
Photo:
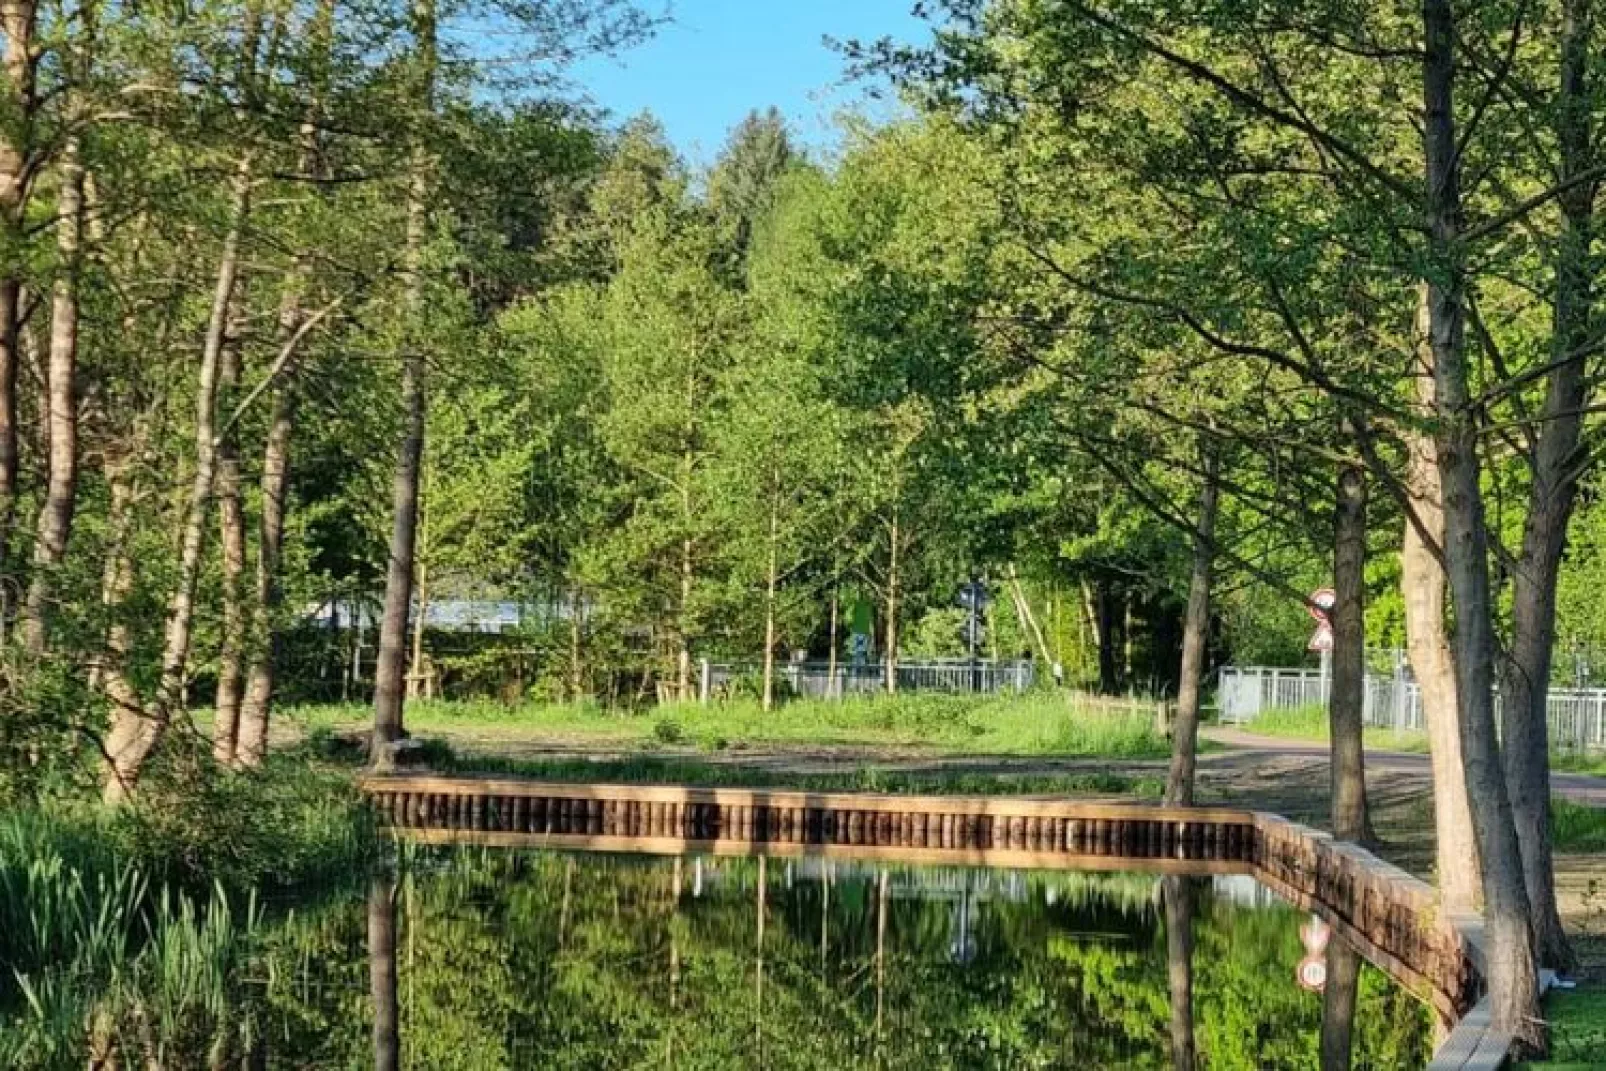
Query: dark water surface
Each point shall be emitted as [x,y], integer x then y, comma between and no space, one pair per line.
[479,958]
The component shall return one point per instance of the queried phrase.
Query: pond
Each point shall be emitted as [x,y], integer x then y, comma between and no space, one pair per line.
[492,958]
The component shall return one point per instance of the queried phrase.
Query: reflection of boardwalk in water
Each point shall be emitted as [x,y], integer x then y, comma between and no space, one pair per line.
[1390,916]
[750,962]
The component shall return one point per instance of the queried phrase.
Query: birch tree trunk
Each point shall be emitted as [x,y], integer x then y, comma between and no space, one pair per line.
[1512,977]
[1557,463]
[1195,634]
[390,670]
[54,526]
[135,735]
[1346,703]
[231,530]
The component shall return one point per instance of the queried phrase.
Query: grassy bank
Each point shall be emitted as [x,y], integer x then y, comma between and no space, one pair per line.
[1310,723]
[692,770]
[1034,724]
[126,935]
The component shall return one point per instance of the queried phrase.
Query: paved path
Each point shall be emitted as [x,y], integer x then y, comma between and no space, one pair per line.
[1580,788]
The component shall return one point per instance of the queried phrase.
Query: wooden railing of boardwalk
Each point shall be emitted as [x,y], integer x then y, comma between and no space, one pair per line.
[1390,916]
[991,831]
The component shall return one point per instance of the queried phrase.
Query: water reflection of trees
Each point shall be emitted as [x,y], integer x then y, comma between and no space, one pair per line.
[526,960]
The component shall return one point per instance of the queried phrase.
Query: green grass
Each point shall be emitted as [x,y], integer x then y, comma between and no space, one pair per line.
[692,771]
[1038,724]
[1577,1030]
[1576,827]
[1310,723]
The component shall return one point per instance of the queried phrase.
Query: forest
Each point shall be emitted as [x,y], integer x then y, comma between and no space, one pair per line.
[1151,318]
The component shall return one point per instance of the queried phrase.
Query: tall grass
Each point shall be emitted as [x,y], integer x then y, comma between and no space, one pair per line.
[124,935]
[1044,723]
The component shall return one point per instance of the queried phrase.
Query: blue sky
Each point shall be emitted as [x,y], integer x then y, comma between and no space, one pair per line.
[720,59]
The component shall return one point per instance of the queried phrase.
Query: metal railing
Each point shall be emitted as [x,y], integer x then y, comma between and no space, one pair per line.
[819,680]
[1577,716]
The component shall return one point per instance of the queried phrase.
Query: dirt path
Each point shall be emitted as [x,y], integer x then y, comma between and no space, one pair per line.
[1580,788]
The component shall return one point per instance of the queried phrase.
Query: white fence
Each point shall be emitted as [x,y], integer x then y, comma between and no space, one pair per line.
[818,679]
[1577,716]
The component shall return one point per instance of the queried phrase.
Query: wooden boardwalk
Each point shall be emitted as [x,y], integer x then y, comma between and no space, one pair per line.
[1391,917]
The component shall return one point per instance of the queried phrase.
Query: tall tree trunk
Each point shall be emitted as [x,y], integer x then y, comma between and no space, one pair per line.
[1195,634]
[1178,894]
[1338,1005]
[769,602]
[576,646]
[54,526]
[382,974]
[830,671]
[262,635]
[17,22]
[231,531]
[1423,587]
[1028,618]
[390,671]
[1556,467]
[134,736]
[1513,980]
[1105,636]
[890,655]
[1346,703]
[418,684]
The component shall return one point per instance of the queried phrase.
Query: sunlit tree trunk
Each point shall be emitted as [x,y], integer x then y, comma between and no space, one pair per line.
[231,529]
[1195,635]
[54,526]
[390,672]
[769,604]
[1423,587]
[134,737]
[1512,976]
[1558,460]
[1346,703]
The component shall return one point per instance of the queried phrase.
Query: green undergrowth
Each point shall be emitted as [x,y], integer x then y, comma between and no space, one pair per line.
[692,771]
[1577,1030]
[125,934]
[1044,723]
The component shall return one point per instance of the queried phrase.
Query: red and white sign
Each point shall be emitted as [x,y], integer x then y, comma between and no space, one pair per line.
[1320,607]
[1312,970]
